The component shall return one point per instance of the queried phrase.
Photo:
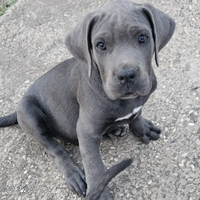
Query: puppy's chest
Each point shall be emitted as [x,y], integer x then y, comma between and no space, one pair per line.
[121,119]
[130,116]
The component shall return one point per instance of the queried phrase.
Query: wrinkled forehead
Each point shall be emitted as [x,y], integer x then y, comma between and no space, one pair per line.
[121,18]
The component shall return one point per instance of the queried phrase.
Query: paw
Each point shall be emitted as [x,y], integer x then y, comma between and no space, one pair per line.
[75,179]
[94,193]
[145,130]
[120,131]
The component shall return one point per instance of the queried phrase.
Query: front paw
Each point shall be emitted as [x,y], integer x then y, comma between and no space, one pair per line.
[94,194]
[75,179]
[145,130]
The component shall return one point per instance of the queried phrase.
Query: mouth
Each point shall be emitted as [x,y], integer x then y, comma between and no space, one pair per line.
[129,95]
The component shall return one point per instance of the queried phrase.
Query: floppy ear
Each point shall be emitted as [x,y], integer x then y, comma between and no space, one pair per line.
[162,25]
[78,41]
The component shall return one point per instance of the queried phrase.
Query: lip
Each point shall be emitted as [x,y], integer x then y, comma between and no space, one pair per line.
[129,95]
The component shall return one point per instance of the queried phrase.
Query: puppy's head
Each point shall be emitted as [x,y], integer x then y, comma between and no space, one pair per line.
[120,39]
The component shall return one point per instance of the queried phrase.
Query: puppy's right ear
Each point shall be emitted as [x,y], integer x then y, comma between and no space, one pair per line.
[78,41]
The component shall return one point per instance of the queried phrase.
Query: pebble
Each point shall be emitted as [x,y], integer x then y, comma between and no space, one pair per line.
[191,124]
[198,142]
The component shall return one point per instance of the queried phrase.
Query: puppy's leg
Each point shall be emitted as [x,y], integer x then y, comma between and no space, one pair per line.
[144,129]
[89,142]
[33,120]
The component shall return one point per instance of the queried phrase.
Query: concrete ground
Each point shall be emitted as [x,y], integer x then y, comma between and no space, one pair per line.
[32,42]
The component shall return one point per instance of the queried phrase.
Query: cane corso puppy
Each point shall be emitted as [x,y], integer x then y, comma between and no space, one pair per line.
[98,90]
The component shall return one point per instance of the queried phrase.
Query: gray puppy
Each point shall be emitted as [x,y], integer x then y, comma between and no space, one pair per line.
[103,86]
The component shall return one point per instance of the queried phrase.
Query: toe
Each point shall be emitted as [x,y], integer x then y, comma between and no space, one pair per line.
[120,131]
[145,139]
[77,186]
[155,129]
[79,189]
[75,179]
[123,131]
[154,136]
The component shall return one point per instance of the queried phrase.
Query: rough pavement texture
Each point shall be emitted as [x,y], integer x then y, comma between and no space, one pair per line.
[32,42]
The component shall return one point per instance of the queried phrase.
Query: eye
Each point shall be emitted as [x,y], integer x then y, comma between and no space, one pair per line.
[101,46]
[143,39]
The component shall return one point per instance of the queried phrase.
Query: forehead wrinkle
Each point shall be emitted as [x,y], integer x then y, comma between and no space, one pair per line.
[107,22]
[101,35]
[133,30]
[113,25]
[105,27]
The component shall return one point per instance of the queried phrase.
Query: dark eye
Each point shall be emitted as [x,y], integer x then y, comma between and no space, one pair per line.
[101,46]
[142,39]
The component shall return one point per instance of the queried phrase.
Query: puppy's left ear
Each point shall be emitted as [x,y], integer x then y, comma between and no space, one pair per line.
[78,41]
[162,26]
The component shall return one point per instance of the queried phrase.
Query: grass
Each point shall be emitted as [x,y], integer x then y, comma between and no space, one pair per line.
[5,6]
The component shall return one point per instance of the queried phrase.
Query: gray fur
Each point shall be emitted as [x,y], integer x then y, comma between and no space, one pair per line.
[80,99]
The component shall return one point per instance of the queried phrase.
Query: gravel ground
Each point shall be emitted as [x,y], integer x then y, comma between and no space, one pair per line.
[32,42]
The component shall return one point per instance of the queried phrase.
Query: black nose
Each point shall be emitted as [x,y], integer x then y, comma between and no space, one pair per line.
[126,76]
